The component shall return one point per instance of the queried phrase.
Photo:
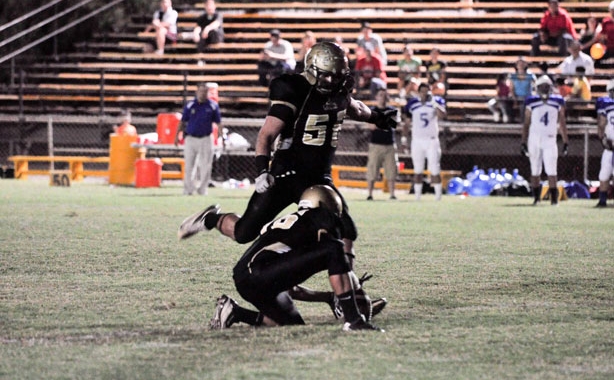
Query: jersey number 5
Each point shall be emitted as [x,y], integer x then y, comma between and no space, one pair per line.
[316,126]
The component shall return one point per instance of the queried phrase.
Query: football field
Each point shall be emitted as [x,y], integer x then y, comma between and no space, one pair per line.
[95,285]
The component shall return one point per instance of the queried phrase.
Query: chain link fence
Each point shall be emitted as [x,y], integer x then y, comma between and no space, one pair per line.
[464,145]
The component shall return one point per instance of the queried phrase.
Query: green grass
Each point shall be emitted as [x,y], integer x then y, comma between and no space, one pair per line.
[94,284]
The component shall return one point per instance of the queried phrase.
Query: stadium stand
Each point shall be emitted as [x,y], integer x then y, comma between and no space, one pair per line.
[478,40]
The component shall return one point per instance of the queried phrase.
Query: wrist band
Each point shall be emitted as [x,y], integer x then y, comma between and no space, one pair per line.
[262,163]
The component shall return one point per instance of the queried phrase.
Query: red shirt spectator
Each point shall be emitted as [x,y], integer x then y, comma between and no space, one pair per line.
[606,36]
[370,66]
[607,32]
[556,29]
[558,23]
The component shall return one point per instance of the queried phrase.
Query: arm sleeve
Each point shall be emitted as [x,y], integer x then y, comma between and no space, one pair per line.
[283,101]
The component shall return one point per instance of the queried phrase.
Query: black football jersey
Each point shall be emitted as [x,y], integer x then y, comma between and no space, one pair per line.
[299,228]
[312,125]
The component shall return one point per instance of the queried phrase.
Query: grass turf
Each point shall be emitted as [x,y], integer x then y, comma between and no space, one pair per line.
[94,284]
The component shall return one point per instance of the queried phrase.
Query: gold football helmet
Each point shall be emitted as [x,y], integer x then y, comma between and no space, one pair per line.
[321,196]
[326,67]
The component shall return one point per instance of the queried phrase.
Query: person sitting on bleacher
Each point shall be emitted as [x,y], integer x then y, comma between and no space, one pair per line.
[436,73]
[209,28]
[370,72]
[368,37]
[605,36]
[409,73]
[581,88]
[276,58]
[164,23]
[577,59]
[556,29]
[309,39]
[521,86]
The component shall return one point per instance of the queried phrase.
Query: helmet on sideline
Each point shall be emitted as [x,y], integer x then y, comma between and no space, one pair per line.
[321,196]
[326,67]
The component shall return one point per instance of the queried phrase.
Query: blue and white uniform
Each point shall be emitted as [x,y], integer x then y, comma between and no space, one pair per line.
[605,108]
[425,133]
[543,150]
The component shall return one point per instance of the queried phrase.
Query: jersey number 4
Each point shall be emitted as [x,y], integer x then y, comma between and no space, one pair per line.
[544,119]
[316,127]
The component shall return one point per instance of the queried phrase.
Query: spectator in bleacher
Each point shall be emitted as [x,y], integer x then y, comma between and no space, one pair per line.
[125,128]
[592,27]
[579,95]
[500,105]
[436,73]
[409,73]
[561,87]
[367,36]
[581,88]
[605,36]
[556,29]
[382,150]
[276,58]
[370,72]
[209,28]
[200,117]
[521,86]
[164,23]
[309,39]
[576,59]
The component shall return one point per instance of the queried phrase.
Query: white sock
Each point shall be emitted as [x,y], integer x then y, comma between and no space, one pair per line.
[418,190]
[437,187]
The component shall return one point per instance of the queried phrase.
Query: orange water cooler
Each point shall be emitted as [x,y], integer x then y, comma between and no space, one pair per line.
[121,159]
[166,127]
[148,173]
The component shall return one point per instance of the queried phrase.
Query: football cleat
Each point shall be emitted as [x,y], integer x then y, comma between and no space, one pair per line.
[196,223]
[377,306]
[601,205]
[360,324]
[224,316]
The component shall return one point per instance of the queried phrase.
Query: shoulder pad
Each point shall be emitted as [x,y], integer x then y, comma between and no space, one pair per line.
[532,99]
[557,98]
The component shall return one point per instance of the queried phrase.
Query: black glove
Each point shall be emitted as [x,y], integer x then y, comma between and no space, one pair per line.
[524,150]
[607,144]
[565,149]
[384,120]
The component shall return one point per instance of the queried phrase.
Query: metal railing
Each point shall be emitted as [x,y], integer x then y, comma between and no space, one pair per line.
[38,26]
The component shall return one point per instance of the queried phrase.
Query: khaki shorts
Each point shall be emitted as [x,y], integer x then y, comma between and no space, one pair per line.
[381,156]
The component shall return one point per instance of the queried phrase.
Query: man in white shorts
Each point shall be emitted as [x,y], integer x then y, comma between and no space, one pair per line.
[605,131]
[424,111]
[545,113]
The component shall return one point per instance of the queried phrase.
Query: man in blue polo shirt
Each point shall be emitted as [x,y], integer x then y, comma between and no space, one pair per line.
[200,116]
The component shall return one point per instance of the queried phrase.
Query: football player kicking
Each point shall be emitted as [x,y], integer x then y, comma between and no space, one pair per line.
[424,111]
[605,131]
[545,113]
[306,113]
[290,250]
